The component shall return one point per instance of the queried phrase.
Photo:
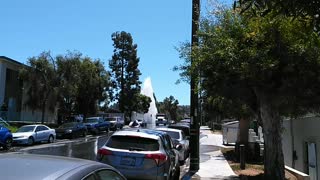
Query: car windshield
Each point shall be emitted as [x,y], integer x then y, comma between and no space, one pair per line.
[185,129]
[92,120]
[133,143]
[110,119]
[67,125]
[173,134]
[26,129]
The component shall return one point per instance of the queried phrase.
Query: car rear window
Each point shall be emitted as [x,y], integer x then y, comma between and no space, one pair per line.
[173,134]
[133,143]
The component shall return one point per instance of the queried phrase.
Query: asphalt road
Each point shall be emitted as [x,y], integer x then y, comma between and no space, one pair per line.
[87,147]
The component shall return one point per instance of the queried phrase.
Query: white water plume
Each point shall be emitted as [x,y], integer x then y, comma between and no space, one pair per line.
[150,116]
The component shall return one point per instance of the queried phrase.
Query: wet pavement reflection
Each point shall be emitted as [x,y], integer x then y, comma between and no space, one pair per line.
[85,148]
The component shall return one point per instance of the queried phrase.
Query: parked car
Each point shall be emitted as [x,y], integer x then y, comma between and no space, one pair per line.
[39,167]
[179,139]
[184,127]
[141,154]
[96,125]
[29,134]
[71,130]
[162,121]
[186,120]
[115,122]
[5,137]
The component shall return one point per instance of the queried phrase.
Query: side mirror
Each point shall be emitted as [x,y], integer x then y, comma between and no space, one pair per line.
[178,147]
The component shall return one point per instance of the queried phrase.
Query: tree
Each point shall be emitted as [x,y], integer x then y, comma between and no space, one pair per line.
[41,83]
[306,10]
[69,75]
[142,103]
[270,65]
[169,106]
[93,86]
[124,71]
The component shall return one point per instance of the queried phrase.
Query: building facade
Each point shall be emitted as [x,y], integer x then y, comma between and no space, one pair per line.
[12,95]
[301,142]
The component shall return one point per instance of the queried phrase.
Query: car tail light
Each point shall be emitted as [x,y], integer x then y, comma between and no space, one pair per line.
[158,158]
[103,152]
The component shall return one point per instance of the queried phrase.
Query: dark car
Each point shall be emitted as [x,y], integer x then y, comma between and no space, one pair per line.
[182,126]
[96,125]
[178,138]
[71,130]
[115,122]
[40,167]
[5,137]
[141,154]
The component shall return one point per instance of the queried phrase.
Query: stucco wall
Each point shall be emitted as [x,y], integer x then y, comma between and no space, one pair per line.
[304,130]
[16,113]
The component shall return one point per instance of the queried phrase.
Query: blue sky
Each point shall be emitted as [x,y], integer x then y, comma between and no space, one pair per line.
[157,27]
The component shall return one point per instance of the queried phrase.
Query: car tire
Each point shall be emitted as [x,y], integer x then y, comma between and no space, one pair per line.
[121,126]
[30,141]
[176,175]
[84,134]
[181,162]
[51,139]
[8,144]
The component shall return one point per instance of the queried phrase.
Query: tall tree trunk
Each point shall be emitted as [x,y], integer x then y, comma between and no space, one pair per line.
[43,109]
[272,124]
[243,131]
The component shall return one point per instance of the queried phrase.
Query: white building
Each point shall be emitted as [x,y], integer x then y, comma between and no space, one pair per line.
[301,142]
[11,94]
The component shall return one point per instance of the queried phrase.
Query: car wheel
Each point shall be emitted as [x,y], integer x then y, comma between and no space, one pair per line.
[121,126]
[30,141]
[8,143]
[177,173]
[181,162]
[84,134]
[51,139]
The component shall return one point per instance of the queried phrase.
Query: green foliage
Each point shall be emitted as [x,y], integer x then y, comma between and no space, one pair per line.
[263,66]
[125,72]
[142,103]
[169,106]
[79,84]
[41,82]
[307,11]
[69,76]
[92,87]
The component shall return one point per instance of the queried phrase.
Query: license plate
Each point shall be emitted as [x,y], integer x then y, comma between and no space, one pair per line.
[128,161]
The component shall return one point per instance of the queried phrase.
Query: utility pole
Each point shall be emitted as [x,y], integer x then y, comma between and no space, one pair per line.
[194,127]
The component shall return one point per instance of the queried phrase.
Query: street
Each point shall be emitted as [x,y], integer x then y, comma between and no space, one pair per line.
[86,148]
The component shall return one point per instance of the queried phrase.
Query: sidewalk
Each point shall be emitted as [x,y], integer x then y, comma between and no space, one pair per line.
[213,165]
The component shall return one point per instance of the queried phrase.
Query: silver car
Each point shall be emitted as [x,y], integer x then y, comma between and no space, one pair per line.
[141,154]
[179,139]
[29,134]
[48,167]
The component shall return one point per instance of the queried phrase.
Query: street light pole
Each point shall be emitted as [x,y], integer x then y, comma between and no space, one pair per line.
[194,127]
